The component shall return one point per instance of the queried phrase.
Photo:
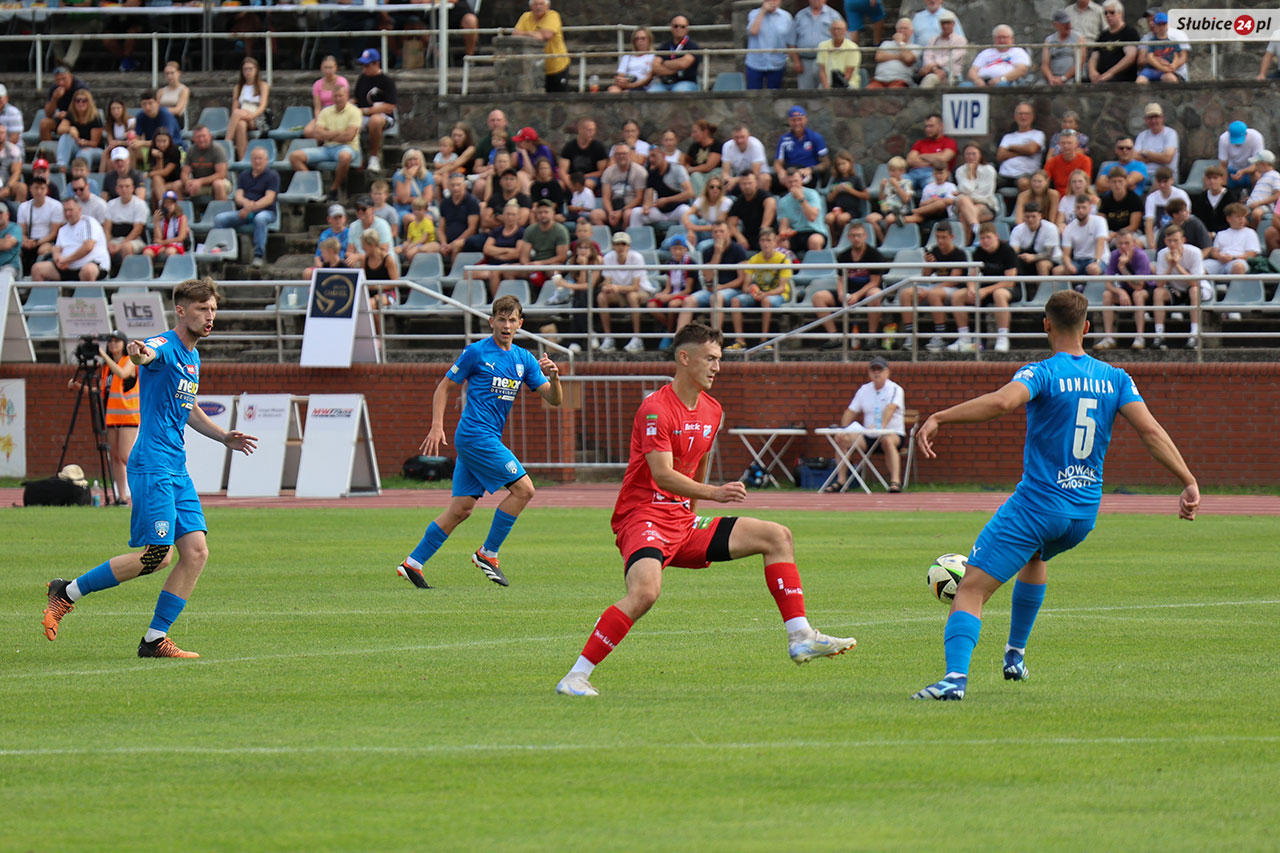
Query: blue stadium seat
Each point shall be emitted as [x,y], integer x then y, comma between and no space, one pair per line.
[873,188]
[602,236]
[460,260]
[642,237]
[205,225]
[134,268]
[419,301]
[803,277]
[295,118]
[242,165]
[730,81]
[222,239]
[907,263]
[217,119]
[1093,291]
[898,237]
[1044,290]
[1244,293]
[32,134]
[1195,179]
[517,287]
[178,268]
[425,266]
[304,187]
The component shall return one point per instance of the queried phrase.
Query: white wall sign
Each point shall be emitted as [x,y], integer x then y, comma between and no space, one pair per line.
[80,315]
[206,458]
[339,327]
[15,341]
[272,418]
[337,451]
[13,427]
[965,114]
[139,315]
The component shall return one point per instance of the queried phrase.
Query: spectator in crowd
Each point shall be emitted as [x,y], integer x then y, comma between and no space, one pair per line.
[1178,257]
[1234,245]
[768,28]
[1121,208]
[545,243]
[529,148]
[753,210]
[380,264]
[1060,166]
[419,232]
[838,59]
[635,70]
[164,163]
[877,405]
[80,169]
[852,284]
[976,199]
[13,191]
[79,252]
[897,193]
[1063,52]
[1114,64]
[205,171]
[1155,207]
[545,186]
[802,216]
[1236,146]
[675,66]
[411,181]
[122,165]
[702,158]
[1036,242]
[495,122]
[859,13]
[39,217]
[1158,144]
[1084,241]
[151,118]
[1077,184]
[1040,192]
[1021,150]
[174,94]
[80,133]
[624,284]
[639,147]
[927,23]
[336,229]
[93,206]
[937,199]
[622,187]
[169,229]
[1126,259]
[933,150]
[997,259]
[667,192]
[1087,19]
[256,202]
[40,169]
[1269,57]
[743,153]
[582,201]
[1210,206]
[803,149]
[810,27]
[770,288]
[1162,63]
[59,100]
[117,126]
[1193,231]
[376,98]
[581,284]
[584,153]
[943,60]
[846,196]
[1002,64]
[337,129]
[508,190]
[460,218]
[502,246]
[721,285]
[366,220]
[249,106]
[1070,121]
[328,256]
[1136,173]
[707,209]
[10,244]
[896,59]
[10,117]
[678,288]
[543,24]
[329,82]
[380,194]
[952,260]
[1266,187]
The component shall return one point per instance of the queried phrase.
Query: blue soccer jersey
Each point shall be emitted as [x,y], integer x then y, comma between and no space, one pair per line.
[1074,401]
[493,376]
[167,388]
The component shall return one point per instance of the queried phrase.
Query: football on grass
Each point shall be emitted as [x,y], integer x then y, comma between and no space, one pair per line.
[944,576]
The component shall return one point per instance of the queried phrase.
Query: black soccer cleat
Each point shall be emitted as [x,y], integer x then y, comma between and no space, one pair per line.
[59,605]
[413,576]
[489,565]
[162,648]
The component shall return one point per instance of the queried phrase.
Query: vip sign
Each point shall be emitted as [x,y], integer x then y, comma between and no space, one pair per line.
[966,114]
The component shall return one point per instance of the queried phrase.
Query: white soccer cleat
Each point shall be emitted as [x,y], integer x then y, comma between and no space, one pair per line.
[576,684]
[805,645]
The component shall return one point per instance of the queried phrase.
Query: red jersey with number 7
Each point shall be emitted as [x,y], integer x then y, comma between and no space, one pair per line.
[664,423]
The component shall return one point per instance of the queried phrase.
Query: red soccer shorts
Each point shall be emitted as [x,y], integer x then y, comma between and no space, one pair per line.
[683,542]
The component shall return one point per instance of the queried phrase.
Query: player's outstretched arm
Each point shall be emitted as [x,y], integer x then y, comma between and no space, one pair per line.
[435,436]
[140,353]
[232,438]
[670,480]
[550,390]
[988,407]
[1164,451]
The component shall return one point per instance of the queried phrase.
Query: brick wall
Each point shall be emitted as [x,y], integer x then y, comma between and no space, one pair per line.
[1210,410]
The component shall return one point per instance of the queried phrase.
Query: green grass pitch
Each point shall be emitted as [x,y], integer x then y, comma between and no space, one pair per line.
[335,707]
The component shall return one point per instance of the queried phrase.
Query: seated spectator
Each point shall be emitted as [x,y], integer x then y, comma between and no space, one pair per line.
[411,181]
[485,188]
[753,210]
[205,171]
[943,60]
[670,146]
[39,217]
[952,260]
[545,186]
[1136,173]
[847,195]
[508,190]
[1234,245]
[1021,150]
[896,195]
[802,216]
[932,150]
[145,124]
[1269,57]
[1077,185]
[1114,64]
[678,287]
[976,199]
[40,169]
[1122,209]
[174,94]
[1178,258]
[336,217]
[666,195]
[768,28]
[622,188]
[584,153]
[639,147]
[1036,242]
[1040,192]
[79,252]
[10,244]
[937,199]
[255,202]
[366,220]
[852,285]
[460,219]
[1002,64]
[769,288]
[380,194]
[1084,242]
[702,158]
[1162,63]
[743,153]
[13,191]
[170,229]
[635,70]
[624,284]
[997,259]
[1210,205]
[502,247]
[249,101]
[126,221]
[529,149]
[329,82]
[1087,18]
[1193,231]
[810,27]
[1158,144]
[877,405]
[117,125]
[337,129]
[718,283]
[380,264]
[447,156]
[165,164]
[1060,166]
[80,169]
[580,285]
[582,201]
[545,243]
[1069,121]
[675,67]
[58,101]
[1155,211]
[896,59]
[1063,52]
[10,118]
[419,232]
[543,24]
[464,148]
[1126,259]
[80,133]
[328,256]
[707,209]
[1266,187]
[375,96]
[1236,147]
[91,205]
[838,59]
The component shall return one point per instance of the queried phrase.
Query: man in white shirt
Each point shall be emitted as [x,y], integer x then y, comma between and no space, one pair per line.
[667,192]
[1001,65]
[39,218]
[1266,189]
[744,153]
[1236,147]
[621,188]
[1037,242]
[126,218]
[1021,152]
[1155,215]
[1178,258]
[877,405]
[624,285]
[90,205]
[80,251]
[1233,246]
[1157,145]
[1084,241]
[10,117]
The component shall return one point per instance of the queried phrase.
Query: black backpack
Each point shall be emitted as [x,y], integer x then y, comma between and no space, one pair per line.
[428,468]
[54,491]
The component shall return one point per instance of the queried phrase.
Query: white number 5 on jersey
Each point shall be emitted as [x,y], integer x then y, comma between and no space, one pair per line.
[1082,439]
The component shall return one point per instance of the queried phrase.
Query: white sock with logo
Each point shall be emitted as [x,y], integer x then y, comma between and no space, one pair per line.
[799,623]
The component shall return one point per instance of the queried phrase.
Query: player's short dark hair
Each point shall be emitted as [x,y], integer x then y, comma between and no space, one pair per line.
[195,290]
[1066,310]
[508,304]
[1175,206]
[697,333]
[147,95]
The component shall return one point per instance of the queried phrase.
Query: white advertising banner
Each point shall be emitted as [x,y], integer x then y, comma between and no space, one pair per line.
[206,458]
[15,342]
[339,327]
[81,315]
[271,418]
[139,315]
[13,427]
[337,451]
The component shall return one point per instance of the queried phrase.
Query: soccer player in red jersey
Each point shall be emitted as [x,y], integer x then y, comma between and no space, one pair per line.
[656,525]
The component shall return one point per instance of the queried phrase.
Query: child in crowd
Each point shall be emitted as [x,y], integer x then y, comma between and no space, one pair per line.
[896,195]
[419,232]
[937,199]
[379,192]
[582,201]
[680,285]
[170,229]
[446,155]
[770,288]
[328,256]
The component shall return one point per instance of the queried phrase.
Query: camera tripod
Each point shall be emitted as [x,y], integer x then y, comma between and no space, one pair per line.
[88,375]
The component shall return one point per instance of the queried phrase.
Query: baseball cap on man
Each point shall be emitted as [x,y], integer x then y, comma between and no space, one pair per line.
[363,201]
[526,134]
[622,237]
[1152,109]
[1160,18]
[1236,131]
[1263,156]
[879,362]
[797,110]
[677,240]
[947,15]
[40,163]
[119,153]
[1061,17]
[337,210]
[369,56]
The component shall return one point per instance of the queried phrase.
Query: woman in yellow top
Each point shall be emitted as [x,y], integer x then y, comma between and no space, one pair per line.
[543,24]
[119,384]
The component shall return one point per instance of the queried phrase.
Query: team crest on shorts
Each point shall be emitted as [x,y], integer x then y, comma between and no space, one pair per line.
[511,467]
[162,529]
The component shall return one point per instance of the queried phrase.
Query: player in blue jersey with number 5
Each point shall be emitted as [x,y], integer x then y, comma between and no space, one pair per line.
[494,369]
[166,510]
[1072,401]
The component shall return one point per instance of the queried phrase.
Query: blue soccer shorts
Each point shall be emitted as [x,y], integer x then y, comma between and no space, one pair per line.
[165,508]
[1015,533]
[483,465]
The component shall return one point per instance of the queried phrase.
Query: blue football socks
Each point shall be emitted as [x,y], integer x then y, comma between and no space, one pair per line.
[431,542]
[168,607]
[502,524]
[1027,598]
[959,639]
[97,579]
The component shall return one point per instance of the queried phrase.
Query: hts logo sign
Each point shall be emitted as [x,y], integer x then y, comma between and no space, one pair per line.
[1213,24]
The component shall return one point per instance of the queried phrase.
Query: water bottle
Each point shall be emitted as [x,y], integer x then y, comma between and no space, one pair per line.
[593,84]
[97,496]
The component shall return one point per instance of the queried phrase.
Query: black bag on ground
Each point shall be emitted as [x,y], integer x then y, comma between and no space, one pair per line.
[428,468]
[54,491]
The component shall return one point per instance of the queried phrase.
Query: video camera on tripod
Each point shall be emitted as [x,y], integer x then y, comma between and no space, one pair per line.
[87,351]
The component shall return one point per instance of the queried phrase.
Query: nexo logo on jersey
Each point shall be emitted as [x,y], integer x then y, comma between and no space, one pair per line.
[186,392]
[504,387]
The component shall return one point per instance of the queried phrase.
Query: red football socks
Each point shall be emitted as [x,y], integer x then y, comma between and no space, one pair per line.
[784,584]
[610,628]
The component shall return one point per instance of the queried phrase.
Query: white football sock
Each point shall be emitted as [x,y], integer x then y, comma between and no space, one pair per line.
[799,623]
[73,592]
[152,635]
[583,666]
